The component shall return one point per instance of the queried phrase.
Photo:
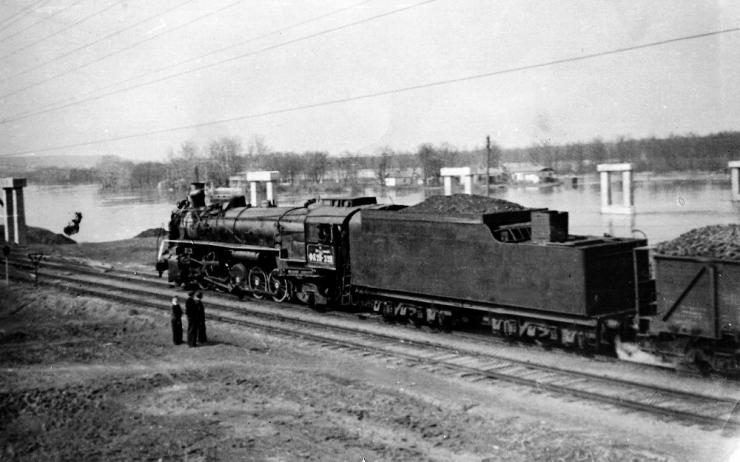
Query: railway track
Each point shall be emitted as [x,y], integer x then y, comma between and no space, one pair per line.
[397,345]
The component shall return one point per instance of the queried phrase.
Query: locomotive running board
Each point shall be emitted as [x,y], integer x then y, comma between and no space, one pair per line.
[167,242]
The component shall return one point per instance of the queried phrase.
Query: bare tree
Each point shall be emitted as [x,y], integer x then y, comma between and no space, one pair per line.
[383,165]
[431,162]
[316,165]
[227,154]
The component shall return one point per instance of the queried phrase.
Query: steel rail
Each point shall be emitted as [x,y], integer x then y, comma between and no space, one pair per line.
[681,405]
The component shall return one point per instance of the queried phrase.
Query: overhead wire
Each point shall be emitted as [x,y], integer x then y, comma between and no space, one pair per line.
[74,101]
[121,50]
[427,85]
[20,14]
[63,29]
[99,40]
[44,19]
[223,61]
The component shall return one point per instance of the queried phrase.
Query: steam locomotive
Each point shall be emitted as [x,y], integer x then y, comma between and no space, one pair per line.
[518,271]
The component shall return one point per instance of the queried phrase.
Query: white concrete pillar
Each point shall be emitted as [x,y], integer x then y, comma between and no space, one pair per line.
[20,216]
[467,181]
[735,178]
[256,179]
[627,206]
[15,212]
[269,192]
[606,190]
[10,217]
[448,185]
[627,198]
[253,194]
[465,174]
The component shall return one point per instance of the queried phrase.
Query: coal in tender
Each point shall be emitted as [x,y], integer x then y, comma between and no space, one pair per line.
[463,204]
[715,241]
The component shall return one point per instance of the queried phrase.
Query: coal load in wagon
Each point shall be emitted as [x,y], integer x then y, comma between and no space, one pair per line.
[464,205]
[716,241]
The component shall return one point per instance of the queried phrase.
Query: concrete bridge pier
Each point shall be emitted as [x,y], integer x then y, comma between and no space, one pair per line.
[464,173]
[256,180]
[735,178]
[628,201]
[15,212]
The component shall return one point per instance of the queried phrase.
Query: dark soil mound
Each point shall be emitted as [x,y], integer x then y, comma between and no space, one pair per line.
[44,236]
[716,241]
[152,232]
[36,235]
[463,204]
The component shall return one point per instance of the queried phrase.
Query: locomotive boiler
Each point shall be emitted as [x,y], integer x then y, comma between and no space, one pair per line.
[281,252]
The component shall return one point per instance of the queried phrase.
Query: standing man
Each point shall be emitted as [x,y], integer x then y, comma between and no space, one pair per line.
[191,311]
[176,321]
[201,318]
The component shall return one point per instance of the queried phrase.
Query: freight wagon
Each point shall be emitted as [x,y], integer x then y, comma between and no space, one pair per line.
[696,316]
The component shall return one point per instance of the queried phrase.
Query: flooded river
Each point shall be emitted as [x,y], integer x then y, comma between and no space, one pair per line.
[664,208]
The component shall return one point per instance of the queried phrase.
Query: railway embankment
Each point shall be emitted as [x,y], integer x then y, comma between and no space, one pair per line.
[91,378]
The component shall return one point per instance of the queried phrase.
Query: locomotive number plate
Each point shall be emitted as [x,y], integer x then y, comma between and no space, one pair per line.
[321,254]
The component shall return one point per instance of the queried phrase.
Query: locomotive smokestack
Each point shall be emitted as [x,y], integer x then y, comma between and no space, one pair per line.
[197,195]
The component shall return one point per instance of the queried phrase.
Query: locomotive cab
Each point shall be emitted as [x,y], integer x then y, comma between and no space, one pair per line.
[313,251]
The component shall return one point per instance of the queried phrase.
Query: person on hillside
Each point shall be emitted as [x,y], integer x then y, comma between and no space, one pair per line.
[201,318]
[176,321]
[191,311]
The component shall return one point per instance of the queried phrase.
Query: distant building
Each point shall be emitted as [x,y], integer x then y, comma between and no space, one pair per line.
[366,175]
[496,175]
[403,177]
[239,181]
[527,172]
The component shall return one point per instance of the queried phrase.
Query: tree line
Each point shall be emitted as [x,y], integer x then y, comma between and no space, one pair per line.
[224,157]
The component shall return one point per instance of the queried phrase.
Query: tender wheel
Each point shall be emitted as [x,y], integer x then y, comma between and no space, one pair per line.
[510,329]
[696,356]
[257,282]
[280,289]
[445,322]
[419,318]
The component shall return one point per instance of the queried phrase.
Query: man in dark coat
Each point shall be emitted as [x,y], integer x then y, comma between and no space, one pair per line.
[201,318]
[191,311]
[176,321]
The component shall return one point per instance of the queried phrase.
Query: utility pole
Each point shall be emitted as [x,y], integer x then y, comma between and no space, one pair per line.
[488,165]
[36,260]
[6,253]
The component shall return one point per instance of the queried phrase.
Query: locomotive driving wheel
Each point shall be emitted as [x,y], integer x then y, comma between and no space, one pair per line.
[238,278]
[280,288]
[257,282]
[210,264]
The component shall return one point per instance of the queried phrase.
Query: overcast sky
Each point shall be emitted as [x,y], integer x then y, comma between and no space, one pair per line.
[300,74]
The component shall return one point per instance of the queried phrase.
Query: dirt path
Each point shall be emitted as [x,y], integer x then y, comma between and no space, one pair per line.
[86,379]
